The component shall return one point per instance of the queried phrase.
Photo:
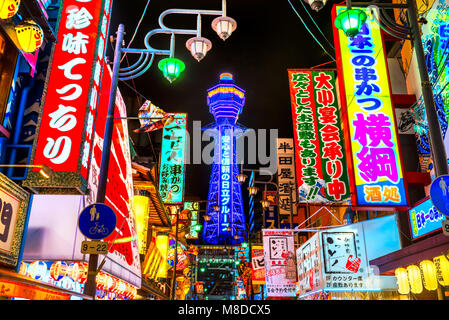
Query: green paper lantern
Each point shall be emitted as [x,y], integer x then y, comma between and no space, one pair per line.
[350,21]
[171,68]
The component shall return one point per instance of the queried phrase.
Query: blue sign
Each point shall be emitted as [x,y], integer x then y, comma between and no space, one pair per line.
[424,218]
[439,194]
[97,221]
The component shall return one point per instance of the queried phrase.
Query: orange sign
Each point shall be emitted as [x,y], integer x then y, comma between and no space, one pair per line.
[20,290]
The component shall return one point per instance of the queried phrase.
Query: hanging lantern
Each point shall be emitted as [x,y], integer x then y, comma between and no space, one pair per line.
[141,205]
[198,47]
[253,190]
[442,269]
[58,270]
[30,36]
[162,246]
[224,26]
[74,271]
[100,280]
[241,178]
[429,275]
[83,272]
[350,21]
[37,270]
[8,8]
[265,203]
[171,68]
[414,278]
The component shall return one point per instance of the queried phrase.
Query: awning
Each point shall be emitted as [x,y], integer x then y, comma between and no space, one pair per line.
[16,285]
[422,250]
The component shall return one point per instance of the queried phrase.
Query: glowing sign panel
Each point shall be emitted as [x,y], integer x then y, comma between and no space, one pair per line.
[376,162]
[171,180]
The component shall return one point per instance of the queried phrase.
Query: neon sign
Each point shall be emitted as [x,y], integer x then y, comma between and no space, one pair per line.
[372,136]
[424,218]
[321,165]
[171,179]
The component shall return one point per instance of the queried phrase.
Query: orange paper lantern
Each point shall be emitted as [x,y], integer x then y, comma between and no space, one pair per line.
[30,36]
[8,8]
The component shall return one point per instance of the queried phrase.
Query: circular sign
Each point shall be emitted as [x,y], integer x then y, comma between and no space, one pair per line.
[97,221]
[439,194]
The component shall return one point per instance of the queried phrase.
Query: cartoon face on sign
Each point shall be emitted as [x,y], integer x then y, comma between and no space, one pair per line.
[337,248]
[278,250]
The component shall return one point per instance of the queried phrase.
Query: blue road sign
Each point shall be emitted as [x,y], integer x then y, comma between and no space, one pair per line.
[439,194]
[97,221]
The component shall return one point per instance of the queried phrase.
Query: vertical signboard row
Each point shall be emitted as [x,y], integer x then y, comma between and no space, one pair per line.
[321,165]
[367,106]
[286,176]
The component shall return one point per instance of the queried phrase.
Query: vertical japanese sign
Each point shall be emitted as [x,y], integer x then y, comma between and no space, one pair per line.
[193,207]
[271,214]
[258,265]
[279,254]
[424,219]
[321,171]
[377,171]
[171,179]
[286,176]
[66,119]
[119,189]
[309,264]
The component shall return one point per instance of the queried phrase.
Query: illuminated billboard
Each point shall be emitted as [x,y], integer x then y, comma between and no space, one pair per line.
[424,219]
[372,139]
[321,172]
[172,171]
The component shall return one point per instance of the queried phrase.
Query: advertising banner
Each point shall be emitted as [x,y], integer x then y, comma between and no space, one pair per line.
[71,92]
[279,257]
[309,264]
[321,172]
[286,176]
[424,219]
[258,265]
[193,207]
[375,160]
[171,178]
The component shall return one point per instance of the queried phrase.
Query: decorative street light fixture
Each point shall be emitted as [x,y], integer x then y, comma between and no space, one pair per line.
[253,190]
[350,21]
[316,5]
[198,47]
[224,26]
[171,68]
[265,203]
[241,178]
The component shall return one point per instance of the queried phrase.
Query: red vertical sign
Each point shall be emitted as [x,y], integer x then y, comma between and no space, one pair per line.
[62,122]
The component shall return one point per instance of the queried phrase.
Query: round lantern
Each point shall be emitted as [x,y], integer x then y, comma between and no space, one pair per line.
[37,270]
[30,36]
[58,270]
[83,268]
[121,287]
[100,280]
[74,272]
[8,8]
[429,275]
[442,268]
[414,278]
[402,280]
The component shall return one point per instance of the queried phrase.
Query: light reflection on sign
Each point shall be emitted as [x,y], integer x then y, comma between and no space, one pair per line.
[377,167]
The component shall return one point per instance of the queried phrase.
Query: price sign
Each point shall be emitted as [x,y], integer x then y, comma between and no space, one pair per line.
[94,247]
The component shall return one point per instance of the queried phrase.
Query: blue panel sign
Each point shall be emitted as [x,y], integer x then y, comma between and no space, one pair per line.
[439,194]
[424,218]
[97,221]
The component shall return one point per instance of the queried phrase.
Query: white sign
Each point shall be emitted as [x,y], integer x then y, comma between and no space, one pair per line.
[279,246]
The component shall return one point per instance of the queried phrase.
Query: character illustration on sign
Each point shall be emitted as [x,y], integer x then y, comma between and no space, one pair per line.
[94,214]
[6,217]
[290,272]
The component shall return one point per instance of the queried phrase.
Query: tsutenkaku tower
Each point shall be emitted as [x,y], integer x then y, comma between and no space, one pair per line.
[225,101]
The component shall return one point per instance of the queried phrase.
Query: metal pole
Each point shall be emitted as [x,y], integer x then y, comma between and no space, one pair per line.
[436,139]
[91,286]
[173,281]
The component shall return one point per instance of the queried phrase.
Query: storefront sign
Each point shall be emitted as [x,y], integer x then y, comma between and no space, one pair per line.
[321,171]
[258,265]
[271,214]
[25,291]
[424,219]
[286,176]
[309,265]
[13,212]
[376,168]
[171,179]
[67,120]
[193,207]
[278,247]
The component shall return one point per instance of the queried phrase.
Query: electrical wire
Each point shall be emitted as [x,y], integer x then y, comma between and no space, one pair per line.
[313,20]
[137,28]
[310,31]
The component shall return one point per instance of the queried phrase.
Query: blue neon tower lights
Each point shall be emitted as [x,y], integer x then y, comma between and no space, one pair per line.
[225,102]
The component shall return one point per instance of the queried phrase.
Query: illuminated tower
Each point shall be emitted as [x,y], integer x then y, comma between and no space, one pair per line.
[225,101]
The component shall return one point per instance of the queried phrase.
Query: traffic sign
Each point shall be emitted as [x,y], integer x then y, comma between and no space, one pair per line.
[94,247]
[439,194]
[97,221]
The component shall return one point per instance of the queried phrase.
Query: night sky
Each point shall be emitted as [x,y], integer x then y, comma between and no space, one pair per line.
[269,39]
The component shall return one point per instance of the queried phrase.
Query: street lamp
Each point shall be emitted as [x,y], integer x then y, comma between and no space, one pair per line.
[198,47]
[241,178]
[265,203]
[224,26]
[171,68]
[253,190]
[350,21]
[316,5]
